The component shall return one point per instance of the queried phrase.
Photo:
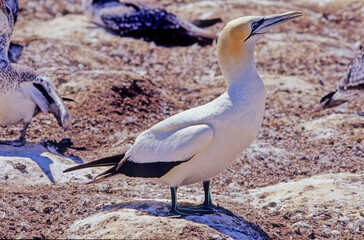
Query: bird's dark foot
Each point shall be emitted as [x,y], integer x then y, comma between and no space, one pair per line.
[15,143]
[198,210]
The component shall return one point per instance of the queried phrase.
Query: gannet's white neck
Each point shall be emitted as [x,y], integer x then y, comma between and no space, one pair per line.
[236,59]
[240,71]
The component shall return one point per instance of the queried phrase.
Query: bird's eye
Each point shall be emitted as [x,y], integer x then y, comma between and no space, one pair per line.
[255,25]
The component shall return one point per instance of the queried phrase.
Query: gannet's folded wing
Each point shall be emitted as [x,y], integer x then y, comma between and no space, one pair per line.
[32,92]
[45,95]
[179,144]
[155,153]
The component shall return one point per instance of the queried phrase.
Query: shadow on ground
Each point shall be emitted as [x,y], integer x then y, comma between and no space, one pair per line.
[222,220]
[20,158]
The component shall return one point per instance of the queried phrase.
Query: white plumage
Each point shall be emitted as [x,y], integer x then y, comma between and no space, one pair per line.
[15,100]
[213,135]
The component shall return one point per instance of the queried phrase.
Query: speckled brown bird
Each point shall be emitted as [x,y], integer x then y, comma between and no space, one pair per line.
[156,25]
[349,88]
[23,93]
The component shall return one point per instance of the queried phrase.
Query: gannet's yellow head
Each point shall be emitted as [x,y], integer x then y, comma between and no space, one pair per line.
[237,40]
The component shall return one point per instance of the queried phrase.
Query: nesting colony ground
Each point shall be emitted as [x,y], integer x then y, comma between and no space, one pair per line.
[302,178]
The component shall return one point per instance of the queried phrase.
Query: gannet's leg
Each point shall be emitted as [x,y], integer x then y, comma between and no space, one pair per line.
[21,140]
[206,187]
[174,208]
[206,208]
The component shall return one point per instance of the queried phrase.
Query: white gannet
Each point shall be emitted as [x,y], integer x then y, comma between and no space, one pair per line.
[349,87]
[197,144]
[151,24]
[22,92]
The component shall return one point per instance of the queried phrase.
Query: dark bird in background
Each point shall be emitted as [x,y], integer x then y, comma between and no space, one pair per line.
[23,93]
[150,24]
[349,88]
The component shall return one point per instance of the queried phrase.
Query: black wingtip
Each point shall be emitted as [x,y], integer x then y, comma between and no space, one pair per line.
[105,175]
[68,99]
[206,23]
[327,97]
[103,162]
[74,168]
[331,100]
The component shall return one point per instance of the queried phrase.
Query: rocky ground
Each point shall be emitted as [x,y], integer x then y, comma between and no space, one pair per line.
[302,178]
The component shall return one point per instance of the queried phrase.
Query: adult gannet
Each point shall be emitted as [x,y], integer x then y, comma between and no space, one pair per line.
[23,93]
[197,144]
[151,24]
[351,86]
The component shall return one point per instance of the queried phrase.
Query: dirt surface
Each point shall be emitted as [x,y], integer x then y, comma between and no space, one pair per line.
[122,86]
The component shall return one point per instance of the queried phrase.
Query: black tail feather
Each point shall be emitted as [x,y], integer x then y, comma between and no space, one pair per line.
[103,162]
[333,99]
[206,23]
[104,175]
[68,99]
[327,97]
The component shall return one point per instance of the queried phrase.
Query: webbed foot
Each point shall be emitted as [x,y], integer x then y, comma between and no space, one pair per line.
[198,210]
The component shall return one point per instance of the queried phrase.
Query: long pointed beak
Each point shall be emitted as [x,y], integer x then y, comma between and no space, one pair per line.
[275,20]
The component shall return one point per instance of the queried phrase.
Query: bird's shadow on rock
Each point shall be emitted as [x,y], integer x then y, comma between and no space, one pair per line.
[222,220]
[32,151]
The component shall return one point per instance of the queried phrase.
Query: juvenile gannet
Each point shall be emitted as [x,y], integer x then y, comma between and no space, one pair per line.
[151,24]
[349,87]
[23,93]
[197,144]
